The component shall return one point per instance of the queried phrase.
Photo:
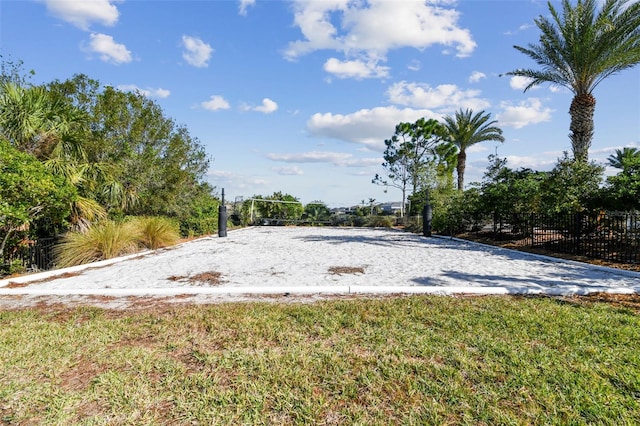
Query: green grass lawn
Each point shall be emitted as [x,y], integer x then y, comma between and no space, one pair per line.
[406,360]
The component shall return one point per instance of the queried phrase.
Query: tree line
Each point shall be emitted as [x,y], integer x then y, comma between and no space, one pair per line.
[75,152]
[580,46]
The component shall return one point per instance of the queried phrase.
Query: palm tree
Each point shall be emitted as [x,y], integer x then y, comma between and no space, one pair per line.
[622,157]
[466,129]
[46,125]
[578,50]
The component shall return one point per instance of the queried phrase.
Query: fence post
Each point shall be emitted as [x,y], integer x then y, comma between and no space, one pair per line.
[578,232]
[532,226]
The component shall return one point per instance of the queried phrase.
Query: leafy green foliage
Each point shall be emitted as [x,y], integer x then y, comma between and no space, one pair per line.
[572,186]
[291,209]
[201,216]
[28,194]
[156,166]
[622,191]
[625,157]
[316,211]
[409,156]
[454,211]
[510,191]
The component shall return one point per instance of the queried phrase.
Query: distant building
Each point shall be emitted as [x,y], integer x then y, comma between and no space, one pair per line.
[391,208]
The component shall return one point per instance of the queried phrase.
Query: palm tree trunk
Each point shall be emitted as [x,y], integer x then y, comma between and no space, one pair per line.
[462,163]
[582,109]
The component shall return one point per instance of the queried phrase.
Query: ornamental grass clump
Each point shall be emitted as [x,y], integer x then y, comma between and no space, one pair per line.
[103,240]
[157,232]
[380,222]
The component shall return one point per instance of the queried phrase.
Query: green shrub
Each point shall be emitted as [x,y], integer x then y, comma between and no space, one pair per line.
[380,221]
[156,232]
[104,240]
[14,267]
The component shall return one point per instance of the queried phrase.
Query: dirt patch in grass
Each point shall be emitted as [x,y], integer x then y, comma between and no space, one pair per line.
[79,377]
[340,270]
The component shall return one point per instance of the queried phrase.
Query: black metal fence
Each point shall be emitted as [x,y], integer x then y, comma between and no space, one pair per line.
[29,257]
[610,236]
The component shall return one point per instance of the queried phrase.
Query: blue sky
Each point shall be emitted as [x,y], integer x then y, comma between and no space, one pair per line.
[299,96]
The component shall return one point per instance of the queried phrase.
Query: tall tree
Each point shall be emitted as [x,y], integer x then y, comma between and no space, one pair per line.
[467,129]
[47,125]
[577,50]
[622,157]
[408,155]
[155,166]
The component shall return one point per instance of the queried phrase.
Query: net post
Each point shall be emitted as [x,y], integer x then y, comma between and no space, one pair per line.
[222,218]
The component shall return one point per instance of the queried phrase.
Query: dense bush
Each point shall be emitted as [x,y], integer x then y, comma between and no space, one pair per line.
[572,186]
[380,221]
[455,211]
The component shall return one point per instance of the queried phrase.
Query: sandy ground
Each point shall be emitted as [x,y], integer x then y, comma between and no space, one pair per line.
[306,264]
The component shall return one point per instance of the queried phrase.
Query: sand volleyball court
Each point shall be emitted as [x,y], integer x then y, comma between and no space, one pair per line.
[311,262]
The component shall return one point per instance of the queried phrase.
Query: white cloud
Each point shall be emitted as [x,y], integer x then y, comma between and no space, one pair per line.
[370,29]
[341,159]
[268,106]
[525,113]
[476,148]
[414,65]
[149,92]
[288,171]
[357,69]
[543,161]
[518,82]
[108,49]
[522,27]
[244,4]
[444,97]
[237,182]
[476,76]
[215,103]
[369,127]
[197,52]
[82,13]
